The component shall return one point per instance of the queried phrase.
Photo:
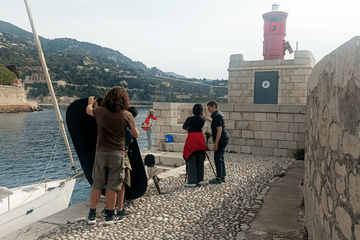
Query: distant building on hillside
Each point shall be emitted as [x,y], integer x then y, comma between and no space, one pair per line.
[33,68]
[179,96]
[29,59]
[35,78]
[16,83]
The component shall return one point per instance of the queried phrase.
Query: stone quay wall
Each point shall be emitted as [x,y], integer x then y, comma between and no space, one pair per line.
[13,98]
[332,170]
[292,82]
[263,129]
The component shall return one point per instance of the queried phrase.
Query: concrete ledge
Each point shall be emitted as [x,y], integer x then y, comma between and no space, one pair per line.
[279,216]
[173,173]
[270,67]
[72,214]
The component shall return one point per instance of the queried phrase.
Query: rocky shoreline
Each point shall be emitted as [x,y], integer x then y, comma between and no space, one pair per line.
[19,108]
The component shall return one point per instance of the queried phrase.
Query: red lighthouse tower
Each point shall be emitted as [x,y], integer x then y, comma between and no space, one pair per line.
[274,34]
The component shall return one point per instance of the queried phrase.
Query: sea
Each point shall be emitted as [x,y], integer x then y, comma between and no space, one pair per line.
[32,149]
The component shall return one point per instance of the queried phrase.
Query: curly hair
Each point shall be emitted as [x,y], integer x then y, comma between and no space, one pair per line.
[116,99]
[197,109]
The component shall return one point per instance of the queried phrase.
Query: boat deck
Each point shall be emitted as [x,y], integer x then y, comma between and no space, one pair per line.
[22,195]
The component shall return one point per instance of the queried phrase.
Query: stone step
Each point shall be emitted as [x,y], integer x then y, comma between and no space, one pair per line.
[181,137]
[173,173]
[172,159]
[168,164]
[174,147]
[178,146]
[163,168]
[178,137]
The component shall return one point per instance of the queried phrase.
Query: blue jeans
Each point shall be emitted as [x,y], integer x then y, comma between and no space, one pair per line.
[219,158]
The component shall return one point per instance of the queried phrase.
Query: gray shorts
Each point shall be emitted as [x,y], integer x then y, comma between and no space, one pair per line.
[108,171]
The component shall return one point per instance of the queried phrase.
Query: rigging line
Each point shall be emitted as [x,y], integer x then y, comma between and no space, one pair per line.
[54,175]
[26,173]
[48,81]
[51,157]
[43,176]
[64,171]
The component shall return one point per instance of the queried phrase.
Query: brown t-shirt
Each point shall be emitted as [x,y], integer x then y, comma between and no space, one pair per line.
[112,129]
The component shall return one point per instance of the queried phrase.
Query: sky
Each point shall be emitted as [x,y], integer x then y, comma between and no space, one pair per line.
[193,38]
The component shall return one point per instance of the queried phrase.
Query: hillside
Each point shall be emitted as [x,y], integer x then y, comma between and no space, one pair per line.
[6,76]
[85,68]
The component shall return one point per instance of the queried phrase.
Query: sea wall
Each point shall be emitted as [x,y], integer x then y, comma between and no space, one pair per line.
[263,129]
[13,99]
[332,170]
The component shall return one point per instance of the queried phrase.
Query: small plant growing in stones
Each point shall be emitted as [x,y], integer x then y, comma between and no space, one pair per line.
[299,154]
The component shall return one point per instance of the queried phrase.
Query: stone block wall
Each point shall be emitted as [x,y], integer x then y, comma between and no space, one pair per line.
[10,95]
[292,82]
[332,170]
[272,130]
[14,99]
[168,115]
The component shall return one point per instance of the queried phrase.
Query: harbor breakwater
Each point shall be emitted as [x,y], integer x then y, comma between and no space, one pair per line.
[13,99]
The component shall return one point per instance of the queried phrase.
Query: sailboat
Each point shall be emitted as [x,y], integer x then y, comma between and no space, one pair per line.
[24,205]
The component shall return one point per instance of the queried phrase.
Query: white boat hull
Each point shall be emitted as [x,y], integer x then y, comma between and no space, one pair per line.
[32,203]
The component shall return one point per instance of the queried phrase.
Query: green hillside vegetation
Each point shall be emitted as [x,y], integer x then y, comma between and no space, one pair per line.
[6,76]
[89,68]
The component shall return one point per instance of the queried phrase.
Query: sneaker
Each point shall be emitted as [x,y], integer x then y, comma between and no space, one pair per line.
[222,179]
[105,211]
[91,219]
[113,219]
[123,213]
[191,185]
[215,181]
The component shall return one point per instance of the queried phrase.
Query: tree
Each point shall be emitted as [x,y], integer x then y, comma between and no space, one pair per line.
[6,76]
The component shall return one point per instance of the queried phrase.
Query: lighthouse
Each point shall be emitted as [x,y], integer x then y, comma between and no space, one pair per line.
[272,80]
[274,45]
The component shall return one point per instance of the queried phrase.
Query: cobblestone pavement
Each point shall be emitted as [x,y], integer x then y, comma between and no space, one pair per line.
[211,212]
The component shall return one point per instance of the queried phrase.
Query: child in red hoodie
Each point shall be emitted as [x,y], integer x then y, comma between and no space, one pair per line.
[147,126]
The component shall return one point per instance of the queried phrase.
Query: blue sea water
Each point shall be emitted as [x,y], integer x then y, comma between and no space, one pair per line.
[32,149]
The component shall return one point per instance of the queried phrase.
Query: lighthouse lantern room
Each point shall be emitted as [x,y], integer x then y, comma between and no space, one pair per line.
[274,45]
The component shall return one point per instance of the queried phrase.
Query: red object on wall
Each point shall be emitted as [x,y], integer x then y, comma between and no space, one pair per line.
[274,44]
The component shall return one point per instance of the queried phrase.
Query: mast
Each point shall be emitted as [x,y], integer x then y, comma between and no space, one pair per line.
[48,81]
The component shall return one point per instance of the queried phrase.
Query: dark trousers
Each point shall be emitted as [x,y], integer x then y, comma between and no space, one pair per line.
[195,167]
[219,158]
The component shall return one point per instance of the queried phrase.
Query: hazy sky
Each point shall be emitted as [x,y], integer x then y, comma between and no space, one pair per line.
[194,38]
